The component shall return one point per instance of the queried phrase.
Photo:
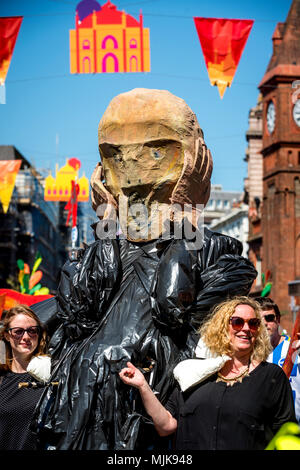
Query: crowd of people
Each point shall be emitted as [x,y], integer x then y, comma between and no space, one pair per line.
[241,405]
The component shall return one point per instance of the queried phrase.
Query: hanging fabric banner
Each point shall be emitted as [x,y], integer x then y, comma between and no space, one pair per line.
[8,173]
[10,298]
[60,187]
[222,42]
[106,40]
[9,30]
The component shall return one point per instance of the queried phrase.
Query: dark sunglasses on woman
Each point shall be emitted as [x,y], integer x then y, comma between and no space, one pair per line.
[238,323]
[18,333]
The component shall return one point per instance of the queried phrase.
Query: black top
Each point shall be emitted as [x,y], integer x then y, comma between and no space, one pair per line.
[16,410]
[245,416]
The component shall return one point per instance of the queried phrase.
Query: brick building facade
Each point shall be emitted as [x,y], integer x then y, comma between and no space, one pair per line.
[281,159]
[253,189]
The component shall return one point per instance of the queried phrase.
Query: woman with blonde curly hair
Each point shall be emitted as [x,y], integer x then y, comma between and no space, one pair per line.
[216,335]
[240,402]
[24,338]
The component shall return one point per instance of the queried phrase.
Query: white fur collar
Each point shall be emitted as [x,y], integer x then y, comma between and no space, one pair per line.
[193,371]
[40,368]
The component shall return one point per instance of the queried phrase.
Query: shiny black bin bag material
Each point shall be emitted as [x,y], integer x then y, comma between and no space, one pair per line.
[122,301]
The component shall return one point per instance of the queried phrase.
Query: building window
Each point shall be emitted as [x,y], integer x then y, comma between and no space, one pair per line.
[107,38]
[286,202]
[86,44]
[114,64]
[133,64]
[86,61]
[271,201]
[132,44]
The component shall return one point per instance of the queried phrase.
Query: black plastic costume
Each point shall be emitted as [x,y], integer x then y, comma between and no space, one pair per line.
[123,301]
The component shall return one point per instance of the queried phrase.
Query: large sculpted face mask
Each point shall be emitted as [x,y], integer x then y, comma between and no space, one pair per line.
[153,157]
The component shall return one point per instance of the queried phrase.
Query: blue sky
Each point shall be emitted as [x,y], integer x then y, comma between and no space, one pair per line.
[43,100]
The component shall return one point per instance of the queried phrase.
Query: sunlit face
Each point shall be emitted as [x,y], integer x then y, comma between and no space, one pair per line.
[272,326]
[141,149]
[242,341]
[154,161]
[26,345]
[142,140]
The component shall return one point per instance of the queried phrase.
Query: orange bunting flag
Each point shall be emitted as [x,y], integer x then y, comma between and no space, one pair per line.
[222,42]
[9,30]
[8,173]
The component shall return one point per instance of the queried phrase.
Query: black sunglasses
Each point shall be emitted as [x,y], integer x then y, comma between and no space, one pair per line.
[18,333]
[238,323]
[270,317]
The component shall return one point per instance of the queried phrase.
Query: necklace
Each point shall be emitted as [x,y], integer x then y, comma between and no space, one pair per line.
[233,380]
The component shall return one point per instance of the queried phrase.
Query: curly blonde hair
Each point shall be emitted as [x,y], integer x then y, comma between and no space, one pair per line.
[9,315]
[215,331]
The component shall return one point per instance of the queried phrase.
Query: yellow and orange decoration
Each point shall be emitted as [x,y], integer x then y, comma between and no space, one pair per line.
[222,42]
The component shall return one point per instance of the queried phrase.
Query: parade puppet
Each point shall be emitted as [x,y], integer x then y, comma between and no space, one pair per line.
[140,293]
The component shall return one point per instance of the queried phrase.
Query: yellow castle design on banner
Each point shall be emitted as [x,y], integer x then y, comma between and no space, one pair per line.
[108,41]
[59,188]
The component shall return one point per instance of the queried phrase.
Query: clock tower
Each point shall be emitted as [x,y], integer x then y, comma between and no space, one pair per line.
[280,89]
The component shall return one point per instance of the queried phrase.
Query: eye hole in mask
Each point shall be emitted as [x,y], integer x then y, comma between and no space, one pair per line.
[117,158]
[156,154]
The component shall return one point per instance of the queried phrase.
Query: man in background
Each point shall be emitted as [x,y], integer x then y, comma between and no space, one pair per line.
[280,343]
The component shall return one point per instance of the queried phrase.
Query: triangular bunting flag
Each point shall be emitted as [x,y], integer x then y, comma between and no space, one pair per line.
[9,30]
[222,42]
[8,173]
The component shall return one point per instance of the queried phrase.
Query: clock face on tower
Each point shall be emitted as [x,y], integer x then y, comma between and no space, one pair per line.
[296,113]
[271,117]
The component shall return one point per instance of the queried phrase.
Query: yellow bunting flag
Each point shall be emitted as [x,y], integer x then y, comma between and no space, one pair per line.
[8,173]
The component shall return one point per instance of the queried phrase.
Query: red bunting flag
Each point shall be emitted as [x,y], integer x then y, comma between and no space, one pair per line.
[222,42]
[9,30]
